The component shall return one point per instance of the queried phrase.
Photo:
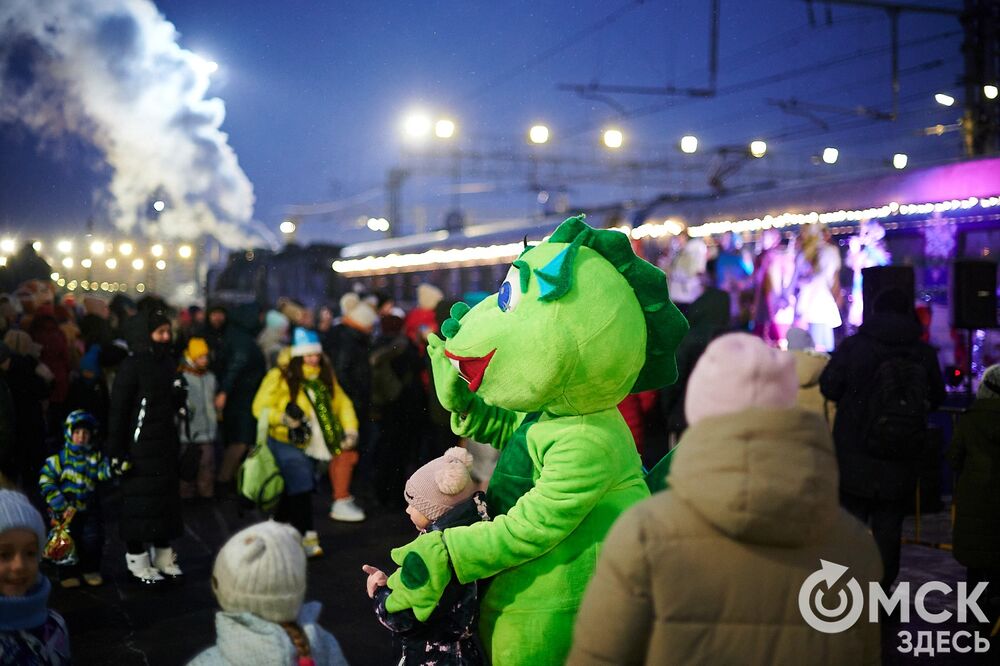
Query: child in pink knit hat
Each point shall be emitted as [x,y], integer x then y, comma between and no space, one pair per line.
[439,495]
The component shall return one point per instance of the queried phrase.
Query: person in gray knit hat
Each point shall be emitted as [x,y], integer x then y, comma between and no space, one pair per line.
[441,494]
[30,633]
[259,579]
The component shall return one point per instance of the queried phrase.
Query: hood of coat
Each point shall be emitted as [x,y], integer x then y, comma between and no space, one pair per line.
[760,476]
[892,328]
[245,638]
[809,366]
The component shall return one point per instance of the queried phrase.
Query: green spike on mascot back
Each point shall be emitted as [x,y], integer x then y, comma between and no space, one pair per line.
[537,371]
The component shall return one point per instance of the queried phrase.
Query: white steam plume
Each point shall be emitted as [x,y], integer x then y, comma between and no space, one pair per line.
[112,72]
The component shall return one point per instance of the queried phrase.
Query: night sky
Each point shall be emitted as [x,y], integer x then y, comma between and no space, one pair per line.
[315,93]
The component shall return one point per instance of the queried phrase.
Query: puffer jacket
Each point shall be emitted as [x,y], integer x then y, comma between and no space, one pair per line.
[247,640]
[975,452]
[709,571]
[274,395]
[808,367]
[200,424]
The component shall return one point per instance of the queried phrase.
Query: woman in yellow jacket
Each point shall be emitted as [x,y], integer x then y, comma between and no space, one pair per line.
[306,406]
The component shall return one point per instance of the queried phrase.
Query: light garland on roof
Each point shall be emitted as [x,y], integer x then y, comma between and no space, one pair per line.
[792,219]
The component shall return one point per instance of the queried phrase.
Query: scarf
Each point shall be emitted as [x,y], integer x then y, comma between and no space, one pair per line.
[27,612]
[322,402]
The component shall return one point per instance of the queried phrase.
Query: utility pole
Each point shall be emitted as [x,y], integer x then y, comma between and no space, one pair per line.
[393,188]
[980,21]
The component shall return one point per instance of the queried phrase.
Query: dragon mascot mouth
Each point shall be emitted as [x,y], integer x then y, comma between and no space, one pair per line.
[471,368]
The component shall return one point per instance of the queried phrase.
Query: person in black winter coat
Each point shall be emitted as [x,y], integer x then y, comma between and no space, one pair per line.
[876,489]
[242,368]
[143,444]
[8,444]
[28,392]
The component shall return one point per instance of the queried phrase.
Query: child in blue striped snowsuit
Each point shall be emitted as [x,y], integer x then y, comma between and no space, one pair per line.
[68,481]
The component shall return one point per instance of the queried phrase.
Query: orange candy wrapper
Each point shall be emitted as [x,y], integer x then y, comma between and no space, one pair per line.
[60,547]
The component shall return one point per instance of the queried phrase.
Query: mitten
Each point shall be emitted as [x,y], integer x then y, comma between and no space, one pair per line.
[425,570]
[179,392]
[452,391]
[119,466]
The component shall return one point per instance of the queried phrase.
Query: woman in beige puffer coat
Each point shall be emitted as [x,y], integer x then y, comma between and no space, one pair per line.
[709,571]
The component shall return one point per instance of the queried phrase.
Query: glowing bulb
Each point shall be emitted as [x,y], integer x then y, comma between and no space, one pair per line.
[125,249]
[65,246]
[37,246]
[538,134]
[156,250]
[138,264]
[689,144]
[758,148]
[990,91]
[417,125]
[944,99]
[444,129]
[185,251]
[613,138]
[158,206]
[87,263]
[287,227]
[97,247]
[67,262]
[111,263]
[161,265]
[830,155]
[899,160]
[8,245]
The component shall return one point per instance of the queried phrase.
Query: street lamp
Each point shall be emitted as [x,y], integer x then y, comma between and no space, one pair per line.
[538,134]
[185,251]
[417,125]
[613,138]
[758,148]
[161,265]
[156,250]
[125,249]
[111,263]
[97,247]
[87,263]
[830,155]
[444,129]
[944,99]
[67,262]
[990,91]
[899,160]
[689,144]
[138,264]
[287,227]
[158,206]
[65,246]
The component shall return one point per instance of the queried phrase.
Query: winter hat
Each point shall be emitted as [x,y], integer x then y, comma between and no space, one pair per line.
[989,386]
[21,343]
[16,512]
[262,570]
[305,342]
[156,319]
[292,310]
[442,484]
[892,300]
[736,372]
[196,348]
[800,340]
[428,296]
[359,312]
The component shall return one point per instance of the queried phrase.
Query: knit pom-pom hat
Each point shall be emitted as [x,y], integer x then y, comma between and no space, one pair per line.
[739,371]
[358,311]
[442,484]
[262,570]
[16,512]
[428,296]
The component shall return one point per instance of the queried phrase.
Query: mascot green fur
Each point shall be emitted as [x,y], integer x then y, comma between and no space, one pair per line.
[537,370]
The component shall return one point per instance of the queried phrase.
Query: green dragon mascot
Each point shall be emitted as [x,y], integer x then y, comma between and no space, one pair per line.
[537,371]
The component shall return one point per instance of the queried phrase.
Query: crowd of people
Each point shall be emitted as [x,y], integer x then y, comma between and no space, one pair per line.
[786,446]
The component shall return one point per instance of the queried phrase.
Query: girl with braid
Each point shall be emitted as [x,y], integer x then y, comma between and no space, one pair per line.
[259,579]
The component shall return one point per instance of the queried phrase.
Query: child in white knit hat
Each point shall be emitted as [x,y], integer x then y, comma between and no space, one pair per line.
[259,579]
[30,633]
[439,495]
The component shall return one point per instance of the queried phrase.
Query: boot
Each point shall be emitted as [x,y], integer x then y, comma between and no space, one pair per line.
[165,560]
[141,568]
[345,510]
[310,544]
